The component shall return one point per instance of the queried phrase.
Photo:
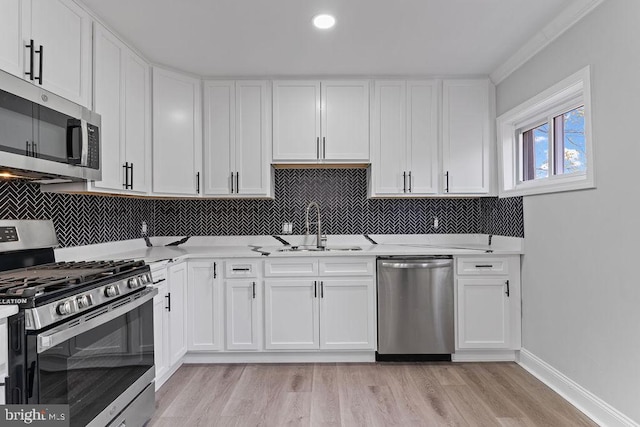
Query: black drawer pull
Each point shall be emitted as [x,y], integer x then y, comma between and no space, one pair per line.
[484,265]
[159,281]
[241,269]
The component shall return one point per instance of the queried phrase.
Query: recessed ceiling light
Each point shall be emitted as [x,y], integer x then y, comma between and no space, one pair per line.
[324,22]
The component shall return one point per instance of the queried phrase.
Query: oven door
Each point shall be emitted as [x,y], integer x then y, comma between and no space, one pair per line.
[98,363]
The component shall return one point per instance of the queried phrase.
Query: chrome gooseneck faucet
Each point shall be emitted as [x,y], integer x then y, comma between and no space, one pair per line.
[321,240]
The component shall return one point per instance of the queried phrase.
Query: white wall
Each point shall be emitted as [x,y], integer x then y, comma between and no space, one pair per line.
[581,272]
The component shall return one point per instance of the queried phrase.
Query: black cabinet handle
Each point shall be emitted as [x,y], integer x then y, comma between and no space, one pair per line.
[31,47]
[41,52]
[131,182]
[28,149]
[126,175]
[197,182]
[215,270]
[317,147]
[315,289]
[409,181]
[484,265]
[324,147]
[404,182]
[241,269]
[253,285]
[507,292]
[237,182]
[168,297]
[321,289]
[231,182]
[159,281]
[447,175]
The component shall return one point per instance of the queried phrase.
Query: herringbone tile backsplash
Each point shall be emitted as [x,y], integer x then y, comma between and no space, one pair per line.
[341,193]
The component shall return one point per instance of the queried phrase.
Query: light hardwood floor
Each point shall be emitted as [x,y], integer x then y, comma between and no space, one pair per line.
[380,394]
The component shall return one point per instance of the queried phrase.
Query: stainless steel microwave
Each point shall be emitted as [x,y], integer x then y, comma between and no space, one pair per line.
[45,137]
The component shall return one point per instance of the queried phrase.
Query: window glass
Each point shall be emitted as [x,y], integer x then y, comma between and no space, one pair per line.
[570,141]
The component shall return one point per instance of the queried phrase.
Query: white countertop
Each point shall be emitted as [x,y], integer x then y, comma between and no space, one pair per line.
[255,246]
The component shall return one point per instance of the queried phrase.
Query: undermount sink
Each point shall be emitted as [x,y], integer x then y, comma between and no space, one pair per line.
[317,249]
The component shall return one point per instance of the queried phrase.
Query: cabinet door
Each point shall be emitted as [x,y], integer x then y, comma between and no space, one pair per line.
[177,136]
[347,314]
[389,138]
[483,313]
[252,143]
[137,119]
[11,46]
[64,30]
[422,137]
[108,93]
[219,136]
[296,120]
[465,136]
[242,314]
[160,332]
[177,302]
[345,120]
[204,318]
[291,314]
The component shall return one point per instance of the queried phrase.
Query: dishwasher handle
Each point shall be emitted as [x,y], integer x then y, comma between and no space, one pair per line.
[434,263]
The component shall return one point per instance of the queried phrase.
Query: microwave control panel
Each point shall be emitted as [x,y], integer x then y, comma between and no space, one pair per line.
[8,234]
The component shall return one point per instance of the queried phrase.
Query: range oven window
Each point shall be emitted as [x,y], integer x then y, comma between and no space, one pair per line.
[90,370]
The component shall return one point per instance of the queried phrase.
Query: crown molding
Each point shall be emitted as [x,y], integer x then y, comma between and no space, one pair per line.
[566,19]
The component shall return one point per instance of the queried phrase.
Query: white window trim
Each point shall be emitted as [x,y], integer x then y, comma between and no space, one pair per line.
[574,90]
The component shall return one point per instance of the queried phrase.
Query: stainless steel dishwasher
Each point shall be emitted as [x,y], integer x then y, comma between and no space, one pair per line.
[415,308]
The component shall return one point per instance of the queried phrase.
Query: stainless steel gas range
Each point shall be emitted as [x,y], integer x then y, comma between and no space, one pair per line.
[84,333]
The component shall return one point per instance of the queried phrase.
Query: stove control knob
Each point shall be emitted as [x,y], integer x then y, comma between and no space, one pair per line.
[144,279]
[133,283]
[65,308]
[110,291]
[83,301]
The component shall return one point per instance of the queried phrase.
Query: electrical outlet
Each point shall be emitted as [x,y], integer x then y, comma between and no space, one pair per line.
[287,228]
[144,228]
[435,222]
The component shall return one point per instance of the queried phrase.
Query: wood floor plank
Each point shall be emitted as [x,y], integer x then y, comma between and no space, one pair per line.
[325,398]
[361,394]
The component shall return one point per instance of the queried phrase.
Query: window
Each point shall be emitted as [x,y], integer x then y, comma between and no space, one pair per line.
[545,143]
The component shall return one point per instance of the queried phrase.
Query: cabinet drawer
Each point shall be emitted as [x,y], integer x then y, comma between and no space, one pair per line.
[347,267]
[486,266]
[291,268]
[159,276]
[240,269]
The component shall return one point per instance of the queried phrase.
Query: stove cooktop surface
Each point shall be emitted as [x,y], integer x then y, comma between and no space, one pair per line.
[58,280]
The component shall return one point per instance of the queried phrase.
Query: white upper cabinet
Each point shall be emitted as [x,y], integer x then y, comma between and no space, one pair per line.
[48,42]
[11,47]
[122,98]
[405,138]
[318,122]
[237,136]
[177,133]
[465,136]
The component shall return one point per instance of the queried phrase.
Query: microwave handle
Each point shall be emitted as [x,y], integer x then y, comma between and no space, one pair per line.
[84,142]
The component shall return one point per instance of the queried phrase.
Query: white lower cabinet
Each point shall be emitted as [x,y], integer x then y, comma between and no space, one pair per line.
[488,303]
[291,314]
[322,312]
[169,320]
[205,313]
[243,317]
[347,314]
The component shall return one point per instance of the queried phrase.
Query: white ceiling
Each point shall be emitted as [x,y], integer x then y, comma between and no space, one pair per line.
[371,37]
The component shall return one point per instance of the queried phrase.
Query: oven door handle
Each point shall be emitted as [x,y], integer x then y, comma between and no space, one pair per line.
[64,332]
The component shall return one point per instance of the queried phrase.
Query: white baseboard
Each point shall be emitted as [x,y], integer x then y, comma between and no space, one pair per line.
[172,370]
[484,356]
[273,357]
[592,406]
